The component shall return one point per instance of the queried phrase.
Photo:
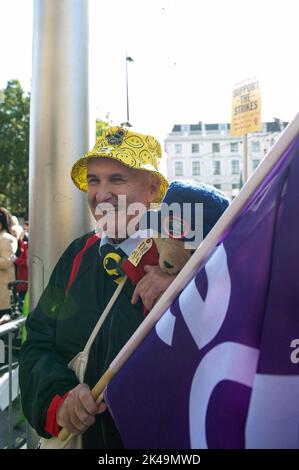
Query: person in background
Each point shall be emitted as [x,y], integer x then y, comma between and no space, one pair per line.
[21,262]
[16,228]
[8,248]
[26,230]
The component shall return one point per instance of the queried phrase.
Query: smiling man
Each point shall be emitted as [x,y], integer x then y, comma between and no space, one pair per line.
[116,192]
[120,174]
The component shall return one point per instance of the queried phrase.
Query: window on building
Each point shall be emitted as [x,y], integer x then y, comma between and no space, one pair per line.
[195,127]
[212,127]
[215,147]
[255,164]
[255,146]
[195,168]
[235,165]
[178,148]
[178,169]
[217,186]
[216,167]
[234,147]
[235,186]
[195,148]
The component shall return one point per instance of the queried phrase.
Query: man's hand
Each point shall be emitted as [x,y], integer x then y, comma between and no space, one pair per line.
[151,286]
[78,410]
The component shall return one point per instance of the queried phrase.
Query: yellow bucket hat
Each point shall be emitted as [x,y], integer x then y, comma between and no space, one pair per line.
[138,151]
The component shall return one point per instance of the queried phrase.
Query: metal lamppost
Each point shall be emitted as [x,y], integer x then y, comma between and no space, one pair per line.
[60,130]
[128,59]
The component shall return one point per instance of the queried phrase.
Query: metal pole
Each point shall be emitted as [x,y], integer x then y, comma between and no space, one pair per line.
[60,131]
[128,59]
[10,424]
[245,159]
[127,88]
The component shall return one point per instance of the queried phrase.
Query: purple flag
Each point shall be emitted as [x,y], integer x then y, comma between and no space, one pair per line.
[219,369]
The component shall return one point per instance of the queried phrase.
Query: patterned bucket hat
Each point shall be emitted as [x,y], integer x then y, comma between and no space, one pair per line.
[132,149]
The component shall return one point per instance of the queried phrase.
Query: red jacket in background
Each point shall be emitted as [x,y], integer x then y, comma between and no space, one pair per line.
[22,266]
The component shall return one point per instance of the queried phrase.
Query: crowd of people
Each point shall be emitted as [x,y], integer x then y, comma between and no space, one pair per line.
[13,261]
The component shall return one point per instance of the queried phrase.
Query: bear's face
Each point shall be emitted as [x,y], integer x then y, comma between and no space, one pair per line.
[172,254]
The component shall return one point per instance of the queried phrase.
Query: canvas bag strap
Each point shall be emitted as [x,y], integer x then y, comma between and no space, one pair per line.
[103,316]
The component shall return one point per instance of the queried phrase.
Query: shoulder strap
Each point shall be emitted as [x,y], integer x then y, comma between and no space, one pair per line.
[78,258]
[79,362]
[104,315]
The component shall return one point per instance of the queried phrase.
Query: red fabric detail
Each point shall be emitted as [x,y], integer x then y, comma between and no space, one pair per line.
[51,424]
[135,273]
[151,257]
[21,266]
[78,258]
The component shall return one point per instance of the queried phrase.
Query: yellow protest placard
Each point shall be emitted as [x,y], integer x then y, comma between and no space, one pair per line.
[246,109]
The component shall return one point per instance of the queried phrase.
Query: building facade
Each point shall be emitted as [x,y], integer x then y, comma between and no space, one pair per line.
[207,153]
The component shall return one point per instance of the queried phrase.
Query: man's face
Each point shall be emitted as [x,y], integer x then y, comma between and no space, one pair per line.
[108,179]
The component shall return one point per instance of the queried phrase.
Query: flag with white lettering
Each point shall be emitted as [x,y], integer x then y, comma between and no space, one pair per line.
[220,369]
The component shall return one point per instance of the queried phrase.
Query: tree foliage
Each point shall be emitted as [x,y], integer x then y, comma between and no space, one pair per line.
[14,148]
[101,126]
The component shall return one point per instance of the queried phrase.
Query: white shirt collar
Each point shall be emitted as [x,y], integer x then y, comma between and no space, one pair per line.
[128,245]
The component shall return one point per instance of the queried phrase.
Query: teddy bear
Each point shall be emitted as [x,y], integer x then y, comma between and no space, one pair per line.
[171,241]
[173,234]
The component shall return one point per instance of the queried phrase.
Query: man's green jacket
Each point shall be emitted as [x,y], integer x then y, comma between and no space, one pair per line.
[59,327]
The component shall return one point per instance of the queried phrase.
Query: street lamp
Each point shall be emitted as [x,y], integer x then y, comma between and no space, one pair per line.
[128,59]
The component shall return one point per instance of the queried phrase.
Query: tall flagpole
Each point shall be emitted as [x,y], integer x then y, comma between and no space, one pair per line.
[245,158]
[60,131]
[128,59]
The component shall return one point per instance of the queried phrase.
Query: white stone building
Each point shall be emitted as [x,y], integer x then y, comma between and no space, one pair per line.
[207,153]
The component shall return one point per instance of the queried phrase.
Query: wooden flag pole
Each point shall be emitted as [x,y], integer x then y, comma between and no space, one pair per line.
[245,158]
[97,393]
[201,254]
